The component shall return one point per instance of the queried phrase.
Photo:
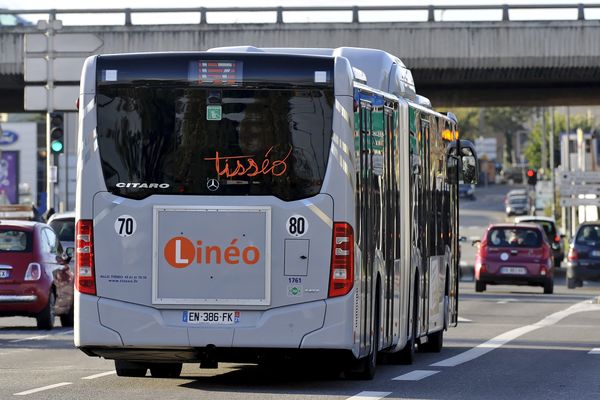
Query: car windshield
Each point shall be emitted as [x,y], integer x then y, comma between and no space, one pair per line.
[546,225]
[65,229]
[14,241]
[514,237]
[589,235]
[517,200]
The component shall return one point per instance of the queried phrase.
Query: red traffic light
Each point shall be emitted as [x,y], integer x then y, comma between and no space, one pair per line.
[530,173]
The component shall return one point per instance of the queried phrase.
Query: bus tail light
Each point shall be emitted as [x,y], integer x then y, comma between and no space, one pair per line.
[342,260]
[85,279]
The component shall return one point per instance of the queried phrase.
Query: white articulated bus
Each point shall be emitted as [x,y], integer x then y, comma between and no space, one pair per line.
[246,204]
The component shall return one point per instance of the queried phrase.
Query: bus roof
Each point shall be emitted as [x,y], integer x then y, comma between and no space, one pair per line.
[383,70]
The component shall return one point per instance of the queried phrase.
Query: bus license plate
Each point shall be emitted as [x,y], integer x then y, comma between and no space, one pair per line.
[4,273]
[211,317]
[514,270]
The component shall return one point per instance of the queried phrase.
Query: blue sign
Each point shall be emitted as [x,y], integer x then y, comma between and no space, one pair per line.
[8,137]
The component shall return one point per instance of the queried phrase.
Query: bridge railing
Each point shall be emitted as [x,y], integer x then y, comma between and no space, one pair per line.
[430,13]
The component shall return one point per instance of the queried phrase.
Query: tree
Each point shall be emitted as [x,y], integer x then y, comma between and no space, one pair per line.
[533,150]
[468,123]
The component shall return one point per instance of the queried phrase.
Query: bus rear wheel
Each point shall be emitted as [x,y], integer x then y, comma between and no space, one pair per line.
[166,370]
[130,369]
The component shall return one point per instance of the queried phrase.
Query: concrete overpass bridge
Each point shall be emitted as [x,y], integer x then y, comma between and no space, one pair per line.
[501,61]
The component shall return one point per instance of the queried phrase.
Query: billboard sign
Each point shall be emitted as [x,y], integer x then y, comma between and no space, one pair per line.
[9,177]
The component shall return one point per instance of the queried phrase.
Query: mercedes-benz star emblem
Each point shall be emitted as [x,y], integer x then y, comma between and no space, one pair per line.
[212,184]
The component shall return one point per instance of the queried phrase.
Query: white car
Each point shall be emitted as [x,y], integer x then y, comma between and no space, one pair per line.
[64,226]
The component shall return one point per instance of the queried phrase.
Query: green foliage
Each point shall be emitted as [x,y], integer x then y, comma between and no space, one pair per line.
[507,119]
[468,122]
[533,150]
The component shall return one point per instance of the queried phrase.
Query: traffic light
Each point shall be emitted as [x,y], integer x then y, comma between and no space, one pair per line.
[57,133]
[531,176]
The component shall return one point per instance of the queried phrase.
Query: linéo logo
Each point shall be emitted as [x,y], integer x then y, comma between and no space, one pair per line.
[180,252]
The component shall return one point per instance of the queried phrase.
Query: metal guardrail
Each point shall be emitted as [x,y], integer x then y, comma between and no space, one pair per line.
[279,11]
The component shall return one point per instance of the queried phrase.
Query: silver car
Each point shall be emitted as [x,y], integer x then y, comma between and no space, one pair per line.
[517,205]
[64,226]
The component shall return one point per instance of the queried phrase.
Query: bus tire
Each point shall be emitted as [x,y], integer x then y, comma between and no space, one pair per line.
[45,318]
[130,369]
[434,344]
[165,370]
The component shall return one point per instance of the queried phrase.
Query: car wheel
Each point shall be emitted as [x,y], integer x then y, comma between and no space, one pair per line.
[66,320]
[549,286]
[130,369]
[45,319]
[480,286]
[571,283]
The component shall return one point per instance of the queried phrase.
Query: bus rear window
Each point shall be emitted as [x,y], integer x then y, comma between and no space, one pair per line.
[180,139]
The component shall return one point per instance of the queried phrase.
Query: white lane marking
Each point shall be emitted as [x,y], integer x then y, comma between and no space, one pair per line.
[29,338]
[42,388]
[461,319]
[369,396]
[100,375]
[40,337]
[595,351]
[509,336]
[14,351]
[415,375]
[506,301]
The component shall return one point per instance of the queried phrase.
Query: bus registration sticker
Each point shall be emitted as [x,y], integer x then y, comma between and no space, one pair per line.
[211,317]
[214,113]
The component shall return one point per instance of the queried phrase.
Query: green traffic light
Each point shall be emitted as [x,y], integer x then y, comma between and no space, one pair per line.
[56,146]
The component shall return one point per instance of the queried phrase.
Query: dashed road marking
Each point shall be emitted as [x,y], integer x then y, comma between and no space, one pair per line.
[415,375]
[595,351]
[41,389]
[29,338]
[461,319]
[509,336]
[40,337]
[506,301]
[370,396]
[100,375]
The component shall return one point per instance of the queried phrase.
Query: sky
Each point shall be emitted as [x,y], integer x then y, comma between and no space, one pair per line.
[231,17]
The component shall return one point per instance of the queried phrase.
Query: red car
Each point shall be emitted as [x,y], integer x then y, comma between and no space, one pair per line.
[512,254]
[35,278]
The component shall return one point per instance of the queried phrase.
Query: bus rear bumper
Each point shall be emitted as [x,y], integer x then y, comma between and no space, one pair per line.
[121,330]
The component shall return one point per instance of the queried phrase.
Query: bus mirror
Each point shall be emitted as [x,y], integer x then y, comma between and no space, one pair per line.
[469,169]
[452,170]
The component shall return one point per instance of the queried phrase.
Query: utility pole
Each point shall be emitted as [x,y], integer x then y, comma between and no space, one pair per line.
[543,164]
[51,170]
[552,177]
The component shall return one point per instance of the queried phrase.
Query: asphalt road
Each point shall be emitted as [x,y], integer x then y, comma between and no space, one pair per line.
[511,343]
